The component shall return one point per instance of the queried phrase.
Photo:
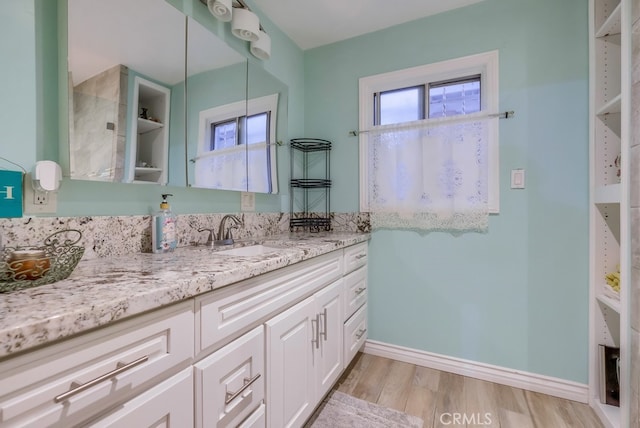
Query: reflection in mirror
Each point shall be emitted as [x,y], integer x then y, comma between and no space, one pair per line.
[267,99]
[216,94]
[126,71]
[231,139]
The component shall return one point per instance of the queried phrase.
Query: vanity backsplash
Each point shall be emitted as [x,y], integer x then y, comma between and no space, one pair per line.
[104,236]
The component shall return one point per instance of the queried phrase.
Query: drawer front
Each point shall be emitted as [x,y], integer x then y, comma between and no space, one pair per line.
[227,313]
[77,378]
[256,420]
[355,333]
[355,257]
[230,382]
[169,405]
[355,291]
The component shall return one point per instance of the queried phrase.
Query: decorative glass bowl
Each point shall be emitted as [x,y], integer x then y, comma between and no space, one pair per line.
[25,267]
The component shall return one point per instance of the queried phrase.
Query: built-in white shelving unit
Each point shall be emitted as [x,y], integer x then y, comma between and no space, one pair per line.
[149,148]
[609,197]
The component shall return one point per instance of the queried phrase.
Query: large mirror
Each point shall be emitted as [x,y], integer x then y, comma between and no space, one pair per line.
[134,118]
[126,87]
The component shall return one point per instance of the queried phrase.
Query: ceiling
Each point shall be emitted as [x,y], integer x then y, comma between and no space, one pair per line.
[315,23]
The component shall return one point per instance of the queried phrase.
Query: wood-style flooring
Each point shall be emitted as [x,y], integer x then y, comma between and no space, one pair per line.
[444,399]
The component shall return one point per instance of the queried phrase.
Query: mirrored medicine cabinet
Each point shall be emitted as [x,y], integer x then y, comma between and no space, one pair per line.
[157,97]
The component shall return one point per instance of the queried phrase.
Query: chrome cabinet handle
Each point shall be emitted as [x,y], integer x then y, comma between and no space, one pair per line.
[77,388]
[316,332]
[361,333]
[361,256]
[360,290]
[323,316]
[230,396]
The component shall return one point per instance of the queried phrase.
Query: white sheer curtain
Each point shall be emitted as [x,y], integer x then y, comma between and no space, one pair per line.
[223,168]
[430,175]
[258,174]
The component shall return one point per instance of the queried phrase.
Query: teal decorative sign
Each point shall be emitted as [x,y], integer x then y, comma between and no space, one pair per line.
[10,193]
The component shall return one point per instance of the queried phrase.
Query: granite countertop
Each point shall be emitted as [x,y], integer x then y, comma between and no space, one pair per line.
[104,290]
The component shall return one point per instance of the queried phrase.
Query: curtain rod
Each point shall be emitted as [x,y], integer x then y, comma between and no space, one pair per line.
[504,115]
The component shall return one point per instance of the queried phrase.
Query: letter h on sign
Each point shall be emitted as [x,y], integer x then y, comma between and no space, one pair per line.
[10,193]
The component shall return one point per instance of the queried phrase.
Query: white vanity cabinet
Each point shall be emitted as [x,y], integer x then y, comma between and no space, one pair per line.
[230,382]
[225,314]
[355,298]
[169,404]
[72,381]
[355,291]
[355,333]
[304,356]
[260,352]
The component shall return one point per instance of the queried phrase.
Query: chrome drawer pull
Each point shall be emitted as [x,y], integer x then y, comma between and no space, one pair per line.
[360,290]
[230,396]
[360,333]
[316,332]
[323,315]
[360,256]
[78,388]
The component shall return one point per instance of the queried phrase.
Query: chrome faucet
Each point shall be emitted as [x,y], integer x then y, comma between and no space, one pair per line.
[211,237]
[225,237]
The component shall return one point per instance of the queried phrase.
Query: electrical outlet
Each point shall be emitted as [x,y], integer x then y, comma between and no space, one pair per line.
[38,202]
[40,198]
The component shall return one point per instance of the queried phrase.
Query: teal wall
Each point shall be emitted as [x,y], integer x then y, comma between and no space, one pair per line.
[516,296]
[18,114]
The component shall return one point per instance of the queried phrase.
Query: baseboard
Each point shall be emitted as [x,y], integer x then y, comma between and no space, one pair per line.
[530,381]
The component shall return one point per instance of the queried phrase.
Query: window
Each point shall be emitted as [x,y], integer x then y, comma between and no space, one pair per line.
[236,146]
[431,100]
[426,95]
[454,97]
[230,133]
[224,134]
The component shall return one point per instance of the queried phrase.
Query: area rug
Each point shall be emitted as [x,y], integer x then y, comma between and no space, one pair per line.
[341,410]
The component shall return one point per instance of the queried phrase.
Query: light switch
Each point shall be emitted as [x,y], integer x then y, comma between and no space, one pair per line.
[247,201]
[517,178]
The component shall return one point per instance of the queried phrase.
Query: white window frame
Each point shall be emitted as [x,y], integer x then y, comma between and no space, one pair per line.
[486,64]
[268,103]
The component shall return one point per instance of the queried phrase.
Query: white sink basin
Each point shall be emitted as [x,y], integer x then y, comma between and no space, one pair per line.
[248,251]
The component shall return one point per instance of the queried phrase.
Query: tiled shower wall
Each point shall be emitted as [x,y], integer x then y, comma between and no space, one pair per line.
[104,236]
[102,99]
[634,165]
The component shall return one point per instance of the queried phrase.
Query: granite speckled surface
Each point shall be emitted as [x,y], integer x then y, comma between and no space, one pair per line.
[103,290]
[108,236]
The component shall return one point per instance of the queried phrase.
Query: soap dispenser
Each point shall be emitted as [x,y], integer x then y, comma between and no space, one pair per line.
[163,228]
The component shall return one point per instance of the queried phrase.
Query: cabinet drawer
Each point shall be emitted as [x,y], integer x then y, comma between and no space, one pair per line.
[355,333]
[355,257]
[41,388]
[230,382]
[256,420]
[169,405]
[227,313]
[355,291]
